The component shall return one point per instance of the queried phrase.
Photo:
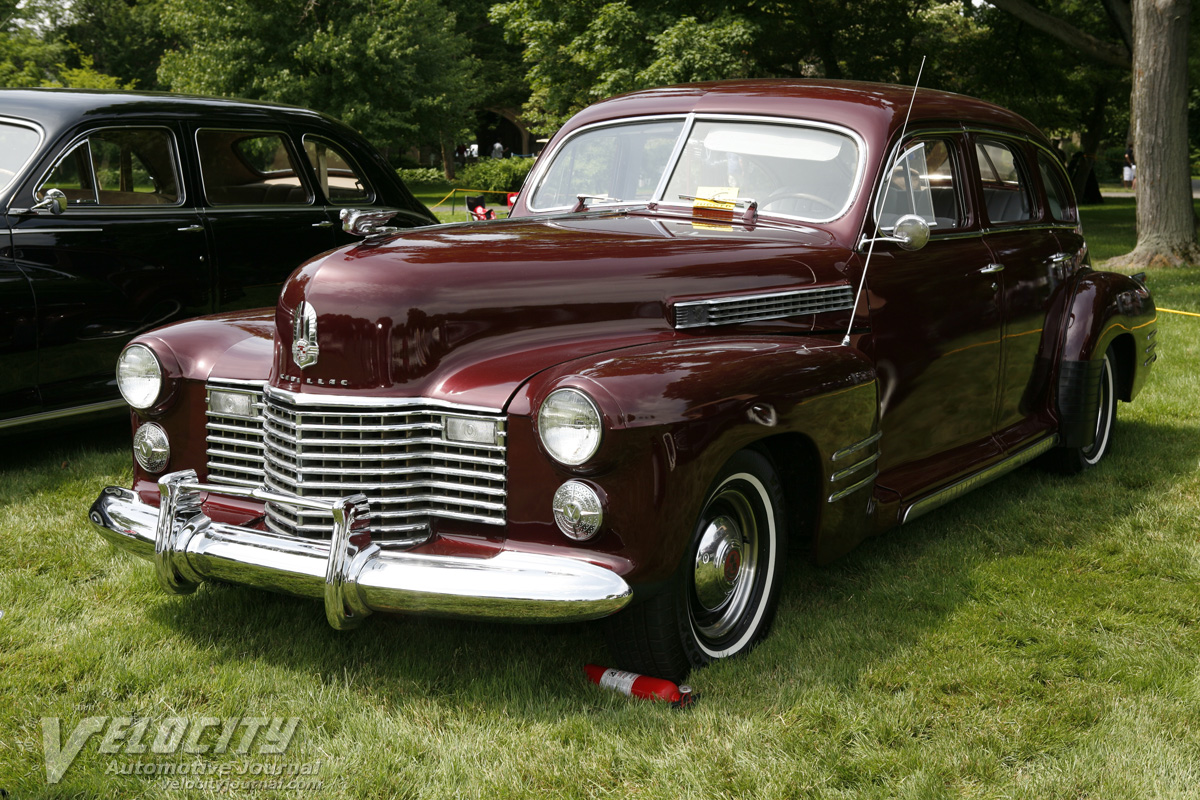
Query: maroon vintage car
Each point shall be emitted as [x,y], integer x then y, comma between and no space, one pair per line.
[726,319]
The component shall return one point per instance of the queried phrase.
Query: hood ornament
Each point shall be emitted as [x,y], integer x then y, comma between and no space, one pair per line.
[304,336]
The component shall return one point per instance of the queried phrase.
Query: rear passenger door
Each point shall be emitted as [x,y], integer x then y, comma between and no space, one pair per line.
[128,254]
[1029,263]
[265,216]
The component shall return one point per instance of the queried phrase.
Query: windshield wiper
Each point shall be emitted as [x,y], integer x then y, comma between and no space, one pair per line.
[581,201]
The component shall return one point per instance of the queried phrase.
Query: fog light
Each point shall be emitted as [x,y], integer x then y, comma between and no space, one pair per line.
[231,404]
[151,448]
[577,510]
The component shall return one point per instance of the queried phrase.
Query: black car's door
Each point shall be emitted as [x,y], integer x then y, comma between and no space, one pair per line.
[18,339]
[265,217]
[129,253]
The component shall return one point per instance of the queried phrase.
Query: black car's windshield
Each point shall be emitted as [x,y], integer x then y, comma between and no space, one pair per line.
[17,144]
[804,171]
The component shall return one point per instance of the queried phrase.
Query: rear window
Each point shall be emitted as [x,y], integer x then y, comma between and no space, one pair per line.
[249,168]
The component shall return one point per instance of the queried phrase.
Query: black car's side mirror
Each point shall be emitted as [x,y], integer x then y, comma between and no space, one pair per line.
[55,202]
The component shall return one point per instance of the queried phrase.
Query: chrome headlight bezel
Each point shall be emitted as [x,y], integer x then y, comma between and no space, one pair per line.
[140,376]
[571,443]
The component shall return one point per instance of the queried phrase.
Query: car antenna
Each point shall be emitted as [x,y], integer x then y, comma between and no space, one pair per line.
[883,201]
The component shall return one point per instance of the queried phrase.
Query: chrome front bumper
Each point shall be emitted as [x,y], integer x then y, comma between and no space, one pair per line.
[351,574]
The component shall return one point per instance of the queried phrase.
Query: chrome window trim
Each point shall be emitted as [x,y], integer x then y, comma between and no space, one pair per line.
[287,143]
[41,133]
[689,122]
[175,152]
[372,195]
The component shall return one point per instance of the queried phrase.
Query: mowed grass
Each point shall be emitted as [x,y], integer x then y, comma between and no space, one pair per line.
[1036,639]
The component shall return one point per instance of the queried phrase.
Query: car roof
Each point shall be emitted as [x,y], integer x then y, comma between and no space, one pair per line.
[55,109]
[867,107]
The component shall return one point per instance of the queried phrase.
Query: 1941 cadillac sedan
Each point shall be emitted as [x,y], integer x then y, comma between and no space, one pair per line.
[724,321]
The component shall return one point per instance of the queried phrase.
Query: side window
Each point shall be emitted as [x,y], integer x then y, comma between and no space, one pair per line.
[118,167]
[1062,202]
[1005,187]
[249,168]
[923,182]
[340,182]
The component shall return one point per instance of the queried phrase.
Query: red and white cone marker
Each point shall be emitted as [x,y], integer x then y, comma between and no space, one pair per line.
[643,686]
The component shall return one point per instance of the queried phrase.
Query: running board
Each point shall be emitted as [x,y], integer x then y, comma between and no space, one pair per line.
[957,490]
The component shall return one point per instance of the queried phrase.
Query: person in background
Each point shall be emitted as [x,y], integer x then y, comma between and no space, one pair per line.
[497,150]
[1129,172]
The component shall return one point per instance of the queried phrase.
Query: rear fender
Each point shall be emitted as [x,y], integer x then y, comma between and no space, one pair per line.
[1106,310]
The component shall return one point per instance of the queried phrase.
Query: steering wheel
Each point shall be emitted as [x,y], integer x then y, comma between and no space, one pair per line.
[812,198]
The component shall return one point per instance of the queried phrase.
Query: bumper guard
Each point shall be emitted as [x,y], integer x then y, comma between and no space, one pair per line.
[353,575]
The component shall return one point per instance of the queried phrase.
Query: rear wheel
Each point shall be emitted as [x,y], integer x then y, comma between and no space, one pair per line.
[722,597]
[1076,459]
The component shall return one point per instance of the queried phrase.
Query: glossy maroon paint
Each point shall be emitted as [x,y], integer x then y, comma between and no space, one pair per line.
[954,368]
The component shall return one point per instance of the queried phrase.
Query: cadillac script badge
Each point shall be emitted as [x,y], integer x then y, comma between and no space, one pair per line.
[304,336]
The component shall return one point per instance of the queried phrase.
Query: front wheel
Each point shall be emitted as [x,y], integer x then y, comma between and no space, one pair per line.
[1076,459]
[722,597]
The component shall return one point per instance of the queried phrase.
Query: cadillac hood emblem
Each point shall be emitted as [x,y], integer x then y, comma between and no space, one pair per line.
[304,336]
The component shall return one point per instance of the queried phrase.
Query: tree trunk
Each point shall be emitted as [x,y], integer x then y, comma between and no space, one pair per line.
[1165,218]
[448,158]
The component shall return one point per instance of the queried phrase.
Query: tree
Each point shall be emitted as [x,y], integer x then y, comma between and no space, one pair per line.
[1166,219]
[394,69]
[1160,30]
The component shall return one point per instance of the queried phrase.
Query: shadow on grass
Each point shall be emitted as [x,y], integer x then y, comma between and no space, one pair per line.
[834,623]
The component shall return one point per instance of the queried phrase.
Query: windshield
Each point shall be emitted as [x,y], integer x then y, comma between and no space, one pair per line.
[17,144]
[799,171]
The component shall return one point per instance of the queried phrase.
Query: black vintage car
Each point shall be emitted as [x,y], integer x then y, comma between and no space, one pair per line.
[123,211]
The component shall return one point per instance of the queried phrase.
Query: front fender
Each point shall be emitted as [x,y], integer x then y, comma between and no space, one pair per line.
[1106,310]
[676,413]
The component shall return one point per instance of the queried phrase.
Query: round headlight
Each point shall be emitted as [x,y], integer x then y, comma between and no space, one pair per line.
[570,427]
[139,376]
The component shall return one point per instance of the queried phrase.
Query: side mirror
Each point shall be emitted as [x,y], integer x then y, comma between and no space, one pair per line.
[55,202]
[911,232]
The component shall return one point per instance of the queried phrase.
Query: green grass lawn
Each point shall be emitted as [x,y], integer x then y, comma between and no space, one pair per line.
[1036,639]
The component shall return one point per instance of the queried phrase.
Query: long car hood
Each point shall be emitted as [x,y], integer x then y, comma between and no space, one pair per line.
[467,313]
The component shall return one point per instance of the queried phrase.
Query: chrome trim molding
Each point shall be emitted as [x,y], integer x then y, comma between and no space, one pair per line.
[353,576]
[848,471]
[854,448]
[849,490]
[63,413]
[761,307]
[958,489]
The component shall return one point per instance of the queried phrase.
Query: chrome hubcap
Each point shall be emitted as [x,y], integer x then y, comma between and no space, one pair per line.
[726,563]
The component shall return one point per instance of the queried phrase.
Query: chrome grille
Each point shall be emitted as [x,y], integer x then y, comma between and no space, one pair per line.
[759,307]
[397,455]
[235,443]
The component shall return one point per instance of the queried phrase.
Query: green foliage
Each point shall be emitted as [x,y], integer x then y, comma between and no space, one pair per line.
[495,174]
[420,176]
[394,69]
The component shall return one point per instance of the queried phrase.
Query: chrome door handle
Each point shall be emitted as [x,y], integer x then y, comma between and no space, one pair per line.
[192,229]
[325,224]
[990,268]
